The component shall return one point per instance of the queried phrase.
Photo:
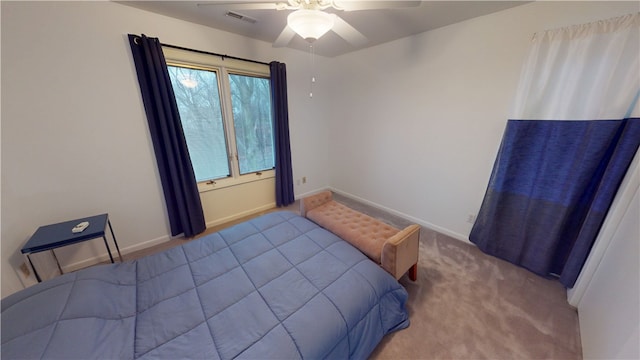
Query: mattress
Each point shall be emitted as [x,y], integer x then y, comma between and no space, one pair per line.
[277,286]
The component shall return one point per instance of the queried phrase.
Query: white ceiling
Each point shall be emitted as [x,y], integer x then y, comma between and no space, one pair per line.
[379,26]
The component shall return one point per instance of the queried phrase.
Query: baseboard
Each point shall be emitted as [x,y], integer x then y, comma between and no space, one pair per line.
[149,243]
[105,257]
[241,215]
[420,222]
[139,246]
[309,193]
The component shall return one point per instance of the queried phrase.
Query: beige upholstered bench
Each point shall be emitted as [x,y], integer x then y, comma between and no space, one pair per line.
[394,249]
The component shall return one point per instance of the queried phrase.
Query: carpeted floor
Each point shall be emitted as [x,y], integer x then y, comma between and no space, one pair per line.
[468,305]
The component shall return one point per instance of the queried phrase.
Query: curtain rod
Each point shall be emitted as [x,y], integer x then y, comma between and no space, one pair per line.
[215,54]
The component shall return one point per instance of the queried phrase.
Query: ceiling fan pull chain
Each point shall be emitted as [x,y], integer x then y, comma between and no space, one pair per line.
[313,78]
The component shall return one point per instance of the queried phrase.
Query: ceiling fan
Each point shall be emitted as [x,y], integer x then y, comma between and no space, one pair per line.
[310,21]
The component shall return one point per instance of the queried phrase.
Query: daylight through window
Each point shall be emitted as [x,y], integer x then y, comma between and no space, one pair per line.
[225,109]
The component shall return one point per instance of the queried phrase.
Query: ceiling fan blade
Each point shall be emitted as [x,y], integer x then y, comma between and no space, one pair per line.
[348,32]
[285,37]
[353,5]
[246,5]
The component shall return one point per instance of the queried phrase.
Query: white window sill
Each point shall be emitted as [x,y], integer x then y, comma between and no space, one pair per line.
[205,186]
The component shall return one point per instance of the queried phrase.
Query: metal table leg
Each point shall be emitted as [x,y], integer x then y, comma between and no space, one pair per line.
[114,239]
[34,269]
[57,262]
[104,237]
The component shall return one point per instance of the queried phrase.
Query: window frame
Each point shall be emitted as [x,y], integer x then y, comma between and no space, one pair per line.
[223,67]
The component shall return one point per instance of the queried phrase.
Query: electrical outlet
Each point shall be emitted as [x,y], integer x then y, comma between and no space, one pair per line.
[298,182]
[304,179]
[25,269]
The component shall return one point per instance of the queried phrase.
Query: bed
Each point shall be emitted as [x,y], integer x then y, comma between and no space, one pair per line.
[277,286]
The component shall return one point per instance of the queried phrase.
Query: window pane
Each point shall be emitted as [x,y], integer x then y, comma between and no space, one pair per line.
[201,115]
[251,102]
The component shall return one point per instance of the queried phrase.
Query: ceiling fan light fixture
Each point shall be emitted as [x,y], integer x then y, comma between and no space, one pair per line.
[310,24]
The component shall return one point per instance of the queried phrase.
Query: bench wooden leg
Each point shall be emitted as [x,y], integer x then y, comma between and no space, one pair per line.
[413,272]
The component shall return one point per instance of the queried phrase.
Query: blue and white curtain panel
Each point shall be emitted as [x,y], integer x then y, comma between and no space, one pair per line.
[574,131]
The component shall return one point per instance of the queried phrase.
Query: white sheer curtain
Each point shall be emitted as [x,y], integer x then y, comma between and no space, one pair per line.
[554,180]
[584,72]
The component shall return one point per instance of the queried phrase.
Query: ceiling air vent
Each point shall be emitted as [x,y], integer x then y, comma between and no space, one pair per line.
[242,17]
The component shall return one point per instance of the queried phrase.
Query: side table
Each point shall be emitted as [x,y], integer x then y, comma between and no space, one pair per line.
[53,236]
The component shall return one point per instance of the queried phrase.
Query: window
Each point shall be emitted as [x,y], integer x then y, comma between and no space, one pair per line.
[201,115]
[225,109]
[251,103]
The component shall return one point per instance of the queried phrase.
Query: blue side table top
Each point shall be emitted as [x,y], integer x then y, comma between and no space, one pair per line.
[56,235]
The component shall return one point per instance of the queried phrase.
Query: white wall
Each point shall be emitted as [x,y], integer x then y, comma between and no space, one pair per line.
[416,123]
[75,141]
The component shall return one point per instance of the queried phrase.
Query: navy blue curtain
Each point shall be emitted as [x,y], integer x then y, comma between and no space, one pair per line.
[280,108]
[174,164]
[551,187]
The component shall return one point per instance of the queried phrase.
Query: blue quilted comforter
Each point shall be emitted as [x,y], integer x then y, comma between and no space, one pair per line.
[277,286]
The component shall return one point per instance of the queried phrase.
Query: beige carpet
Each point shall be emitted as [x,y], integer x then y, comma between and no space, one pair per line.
[468,305]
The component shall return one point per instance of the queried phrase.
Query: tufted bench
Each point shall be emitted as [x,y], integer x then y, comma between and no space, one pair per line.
[394,249]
